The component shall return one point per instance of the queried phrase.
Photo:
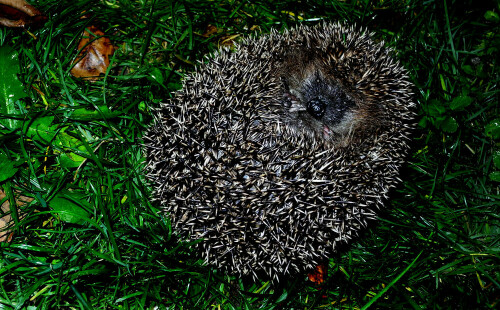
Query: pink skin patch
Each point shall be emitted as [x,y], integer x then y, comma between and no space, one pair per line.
[326,132]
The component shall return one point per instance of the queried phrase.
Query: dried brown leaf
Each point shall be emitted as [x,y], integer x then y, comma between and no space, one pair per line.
[19,14]
[318,275]
[210,30]
[6,221]
[94,55]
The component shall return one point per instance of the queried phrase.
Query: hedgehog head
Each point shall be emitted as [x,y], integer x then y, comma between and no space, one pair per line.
[315,103]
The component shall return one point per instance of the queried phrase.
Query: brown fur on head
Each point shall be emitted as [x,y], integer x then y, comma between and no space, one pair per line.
[317,104]
[334,90]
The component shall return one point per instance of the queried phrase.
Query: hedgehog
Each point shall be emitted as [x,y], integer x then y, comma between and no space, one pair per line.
[279,150]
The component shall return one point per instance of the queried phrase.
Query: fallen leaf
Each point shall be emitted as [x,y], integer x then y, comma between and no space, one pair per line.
[318,275]
[94,55]
[210,30]
[6,221]
[19,14]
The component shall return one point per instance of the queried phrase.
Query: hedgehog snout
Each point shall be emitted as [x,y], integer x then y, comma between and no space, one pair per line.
[292,103]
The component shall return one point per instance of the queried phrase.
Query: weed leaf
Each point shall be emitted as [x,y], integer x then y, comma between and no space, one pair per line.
[495,176]
[461,102]
[7,169]
[496,159]
[491,16]
[492,130]
[41,129]
[447,124]
[11,89]
[71,207]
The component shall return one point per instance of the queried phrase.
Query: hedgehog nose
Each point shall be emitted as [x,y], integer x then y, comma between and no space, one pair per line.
[316,107]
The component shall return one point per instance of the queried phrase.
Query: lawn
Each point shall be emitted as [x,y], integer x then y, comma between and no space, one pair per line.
[85,234]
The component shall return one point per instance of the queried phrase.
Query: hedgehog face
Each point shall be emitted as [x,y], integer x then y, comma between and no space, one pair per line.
[320,107]
[316,105]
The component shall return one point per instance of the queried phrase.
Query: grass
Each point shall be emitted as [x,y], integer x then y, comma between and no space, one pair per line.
[91,239]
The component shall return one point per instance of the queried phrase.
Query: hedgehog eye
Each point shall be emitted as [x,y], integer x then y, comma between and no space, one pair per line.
[316,107]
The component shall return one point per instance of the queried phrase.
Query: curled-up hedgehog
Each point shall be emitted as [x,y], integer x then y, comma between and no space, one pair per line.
[276,153]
